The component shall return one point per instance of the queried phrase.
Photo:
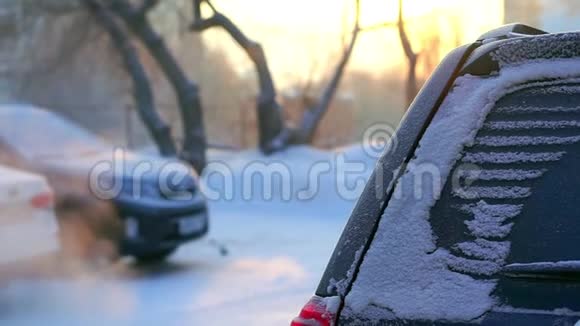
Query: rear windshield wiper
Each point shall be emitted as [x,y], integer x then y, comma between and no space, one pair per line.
[557,271]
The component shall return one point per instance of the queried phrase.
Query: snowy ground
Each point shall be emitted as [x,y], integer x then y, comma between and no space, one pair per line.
[277,253]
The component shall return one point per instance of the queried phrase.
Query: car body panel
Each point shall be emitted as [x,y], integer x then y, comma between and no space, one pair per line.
[485,58]
[367,211]
[25,231]
[102,183]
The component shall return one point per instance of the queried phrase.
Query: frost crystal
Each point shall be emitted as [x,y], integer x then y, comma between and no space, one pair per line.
[404,273]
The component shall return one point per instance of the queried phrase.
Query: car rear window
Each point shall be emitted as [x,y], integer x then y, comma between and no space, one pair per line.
[490,191]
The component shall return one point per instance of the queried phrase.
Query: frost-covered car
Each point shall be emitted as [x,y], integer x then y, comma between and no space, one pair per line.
[108,201]
[471,217]
[28,227]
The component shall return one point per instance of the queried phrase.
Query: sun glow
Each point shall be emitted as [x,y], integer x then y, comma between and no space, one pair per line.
[303,37]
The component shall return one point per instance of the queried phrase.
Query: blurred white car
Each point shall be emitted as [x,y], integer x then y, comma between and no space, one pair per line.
[28,226]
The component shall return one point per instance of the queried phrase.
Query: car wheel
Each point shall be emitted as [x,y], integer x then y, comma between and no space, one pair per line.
[154,257]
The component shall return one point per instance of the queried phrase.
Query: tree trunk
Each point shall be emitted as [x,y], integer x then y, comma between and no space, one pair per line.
[273,134]
[269,113]
[412,57]
[144,99]
[314,115]
[195,143]
[411,86]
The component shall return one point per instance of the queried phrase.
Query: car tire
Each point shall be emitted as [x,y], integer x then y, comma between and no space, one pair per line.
[154,257]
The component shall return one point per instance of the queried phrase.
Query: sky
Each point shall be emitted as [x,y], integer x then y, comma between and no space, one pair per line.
[304,37]
[556,18]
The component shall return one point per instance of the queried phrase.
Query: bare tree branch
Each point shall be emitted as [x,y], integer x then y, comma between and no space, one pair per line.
[144,99]
[273,134]
[377,26]
[194,145]
[270,119]
[314,115]
[411,87]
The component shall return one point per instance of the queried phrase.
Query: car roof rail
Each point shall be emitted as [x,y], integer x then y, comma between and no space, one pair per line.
[482,62]
[509,31]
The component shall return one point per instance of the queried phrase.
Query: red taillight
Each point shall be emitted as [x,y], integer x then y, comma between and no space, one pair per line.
[317,312]
[44,200]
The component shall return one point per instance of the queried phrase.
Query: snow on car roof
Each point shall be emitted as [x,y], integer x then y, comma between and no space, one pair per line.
[36,132]
[22,110]
[404,275]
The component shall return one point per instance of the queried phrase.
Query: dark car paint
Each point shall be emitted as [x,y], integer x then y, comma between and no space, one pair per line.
[158,222]
[475,59]
[545,231]
[505,31]
[160,233]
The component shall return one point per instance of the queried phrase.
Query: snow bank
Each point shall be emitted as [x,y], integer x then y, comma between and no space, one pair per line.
[404,273]
[300,177]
